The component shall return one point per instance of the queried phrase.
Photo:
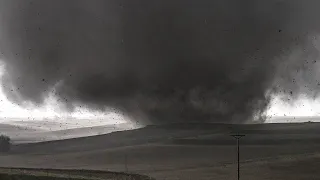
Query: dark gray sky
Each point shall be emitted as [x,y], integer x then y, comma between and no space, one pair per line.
[161,61]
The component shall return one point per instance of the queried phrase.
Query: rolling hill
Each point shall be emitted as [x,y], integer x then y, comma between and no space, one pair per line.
[179,151]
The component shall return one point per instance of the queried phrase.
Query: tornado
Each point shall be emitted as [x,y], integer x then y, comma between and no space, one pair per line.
[161,61]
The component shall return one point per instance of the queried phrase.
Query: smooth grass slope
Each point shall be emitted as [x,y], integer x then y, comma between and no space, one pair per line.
[30,177]
[56,174]
[201,151]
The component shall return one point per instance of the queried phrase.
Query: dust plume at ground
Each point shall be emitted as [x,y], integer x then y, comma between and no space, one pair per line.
[161,61]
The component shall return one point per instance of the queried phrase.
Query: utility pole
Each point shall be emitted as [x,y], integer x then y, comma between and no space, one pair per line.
[238,136]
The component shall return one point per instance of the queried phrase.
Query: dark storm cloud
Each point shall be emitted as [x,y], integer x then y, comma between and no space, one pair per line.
[159,61]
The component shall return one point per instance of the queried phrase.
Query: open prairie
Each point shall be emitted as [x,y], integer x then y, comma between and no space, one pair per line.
[184,151]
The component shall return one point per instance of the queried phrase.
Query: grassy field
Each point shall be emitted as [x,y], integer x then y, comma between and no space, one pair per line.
[56,174]
[32,177]
[180,152]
